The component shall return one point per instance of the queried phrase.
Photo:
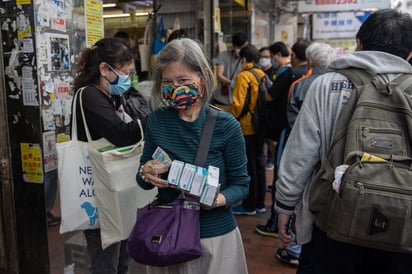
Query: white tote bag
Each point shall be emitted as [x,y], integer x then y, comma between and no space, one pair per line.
[117,193]
[76,187]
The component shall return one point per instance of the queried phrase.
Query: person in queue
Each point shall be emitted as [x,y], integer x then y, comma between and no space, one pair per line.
[104,71]
[183,87]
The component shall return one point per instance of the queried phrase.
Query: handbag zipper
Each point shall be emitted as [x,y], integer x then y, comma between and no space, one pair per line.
[164,206]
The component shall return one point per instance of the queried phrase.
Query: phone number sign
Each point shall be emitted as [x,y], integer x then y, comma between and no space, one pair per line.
[341,5]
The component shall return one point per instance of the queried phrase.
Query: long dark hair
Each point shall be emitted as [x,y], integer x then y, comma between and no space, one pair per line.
[110,50]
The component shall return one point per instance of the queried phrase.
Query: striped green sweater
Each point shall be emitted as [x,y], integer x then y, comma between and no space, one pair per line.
[180,140]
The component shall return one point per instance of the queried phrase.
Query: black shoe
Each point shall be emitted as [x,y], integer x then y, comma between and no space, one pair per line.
[284,256]
[52,220]
[265,231]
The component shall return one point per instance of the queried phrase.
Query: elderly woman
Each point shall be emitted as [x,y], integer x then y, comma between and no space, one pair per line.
[176,127]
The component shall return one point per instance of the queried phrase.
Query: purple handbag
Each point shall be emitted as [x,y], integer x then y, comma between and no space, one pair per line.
[166,234]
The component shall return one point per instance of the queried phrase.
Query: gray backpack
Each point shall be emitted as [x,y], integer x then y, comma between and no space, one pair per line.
[373,137]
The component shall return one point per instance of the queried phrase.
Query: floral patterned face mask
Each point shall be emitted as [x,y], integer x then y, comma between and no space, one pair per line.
[183,96]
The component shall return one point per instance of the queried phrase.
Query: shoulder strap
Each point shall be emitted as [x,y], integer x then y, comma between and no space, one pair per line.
[256,75]
[281,70]
[336,151]
[292,86]
[86,128]
[358,77]
[234,71]
[74,114]
[403,83]
[206,137]
[245,108]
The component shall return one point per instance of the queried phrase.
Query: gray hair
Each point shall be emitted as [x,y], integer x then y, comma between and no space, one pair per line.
[188,52]
[320,54]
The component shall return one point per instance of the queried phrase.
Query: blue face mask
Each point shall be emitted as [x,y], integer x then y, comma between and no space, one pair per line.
[120,85]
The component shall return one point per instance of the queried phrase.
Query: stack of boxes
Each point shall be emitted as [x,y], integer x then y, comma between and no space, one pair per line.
[196,180]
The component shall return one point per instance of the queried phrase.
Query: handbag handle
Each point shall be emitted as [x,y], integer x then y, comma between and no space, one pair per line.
[74,120]
[147,36]
[206,137]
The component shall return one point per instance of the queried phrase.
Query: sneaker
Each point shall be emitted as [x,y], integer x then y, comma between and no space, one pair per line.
[284,256]
[261,209]
[269,166]
[240,210]
[52,220]
[265,231]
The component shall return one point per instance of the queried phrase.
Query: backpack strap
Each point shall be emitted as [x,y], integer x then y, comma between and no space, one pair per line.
[256,75]
[358,77]
[403,83]
[245,108]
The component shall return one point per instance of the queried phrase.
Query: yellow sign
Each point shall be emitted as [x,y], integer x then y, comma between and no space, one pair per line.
[23,2]
[240,2]
[31,160]
[94,21]
[218,27]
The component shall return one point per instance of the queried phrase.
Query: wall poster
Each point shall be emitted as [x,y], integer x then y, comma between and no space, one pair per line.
[285,34]
[58,52]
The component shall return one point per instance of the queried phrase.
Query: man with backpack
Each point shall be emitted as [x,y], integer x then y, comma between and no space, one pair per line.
[352,220]
[248,97]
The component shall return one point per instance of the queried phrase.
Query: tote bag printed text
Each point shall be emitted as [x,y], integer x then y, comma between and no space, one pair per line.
[77,193]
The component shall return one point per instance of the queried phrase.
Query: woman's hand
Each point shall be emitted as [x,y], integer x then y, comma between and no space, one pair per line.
[150,172]
[220,200]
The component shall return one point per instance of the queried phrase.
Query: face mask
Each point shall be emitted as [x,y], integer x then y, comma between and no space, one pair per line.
[120,85]
[264,62]
[183,96]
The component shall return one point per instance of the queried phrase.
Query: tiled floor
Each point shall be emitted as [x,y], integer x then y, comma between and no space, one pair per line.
[259,249]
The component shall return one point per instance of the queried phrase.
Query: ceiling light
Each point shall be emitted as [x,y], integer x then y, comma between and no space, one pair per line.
[109,5]
[119,15]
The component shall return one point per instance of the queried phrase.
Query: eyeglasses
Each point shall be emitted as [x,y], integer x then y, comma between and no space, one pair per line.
[129,75]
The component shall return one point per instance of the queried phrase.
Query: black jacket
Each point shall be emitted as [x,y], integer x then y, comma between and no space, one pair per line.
[276,110]
[103,121]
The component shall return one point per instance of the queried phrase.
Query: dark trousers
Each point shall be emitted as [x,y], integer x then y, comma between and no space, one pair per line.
[281,142]
[256,171]
[50,188]
[325,256]
[112,260]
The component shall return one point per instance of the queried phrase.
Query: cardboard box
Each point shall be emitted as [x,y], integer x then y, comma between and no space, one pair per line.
[175,172]
[187,176]
[211,186]
[199,181]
